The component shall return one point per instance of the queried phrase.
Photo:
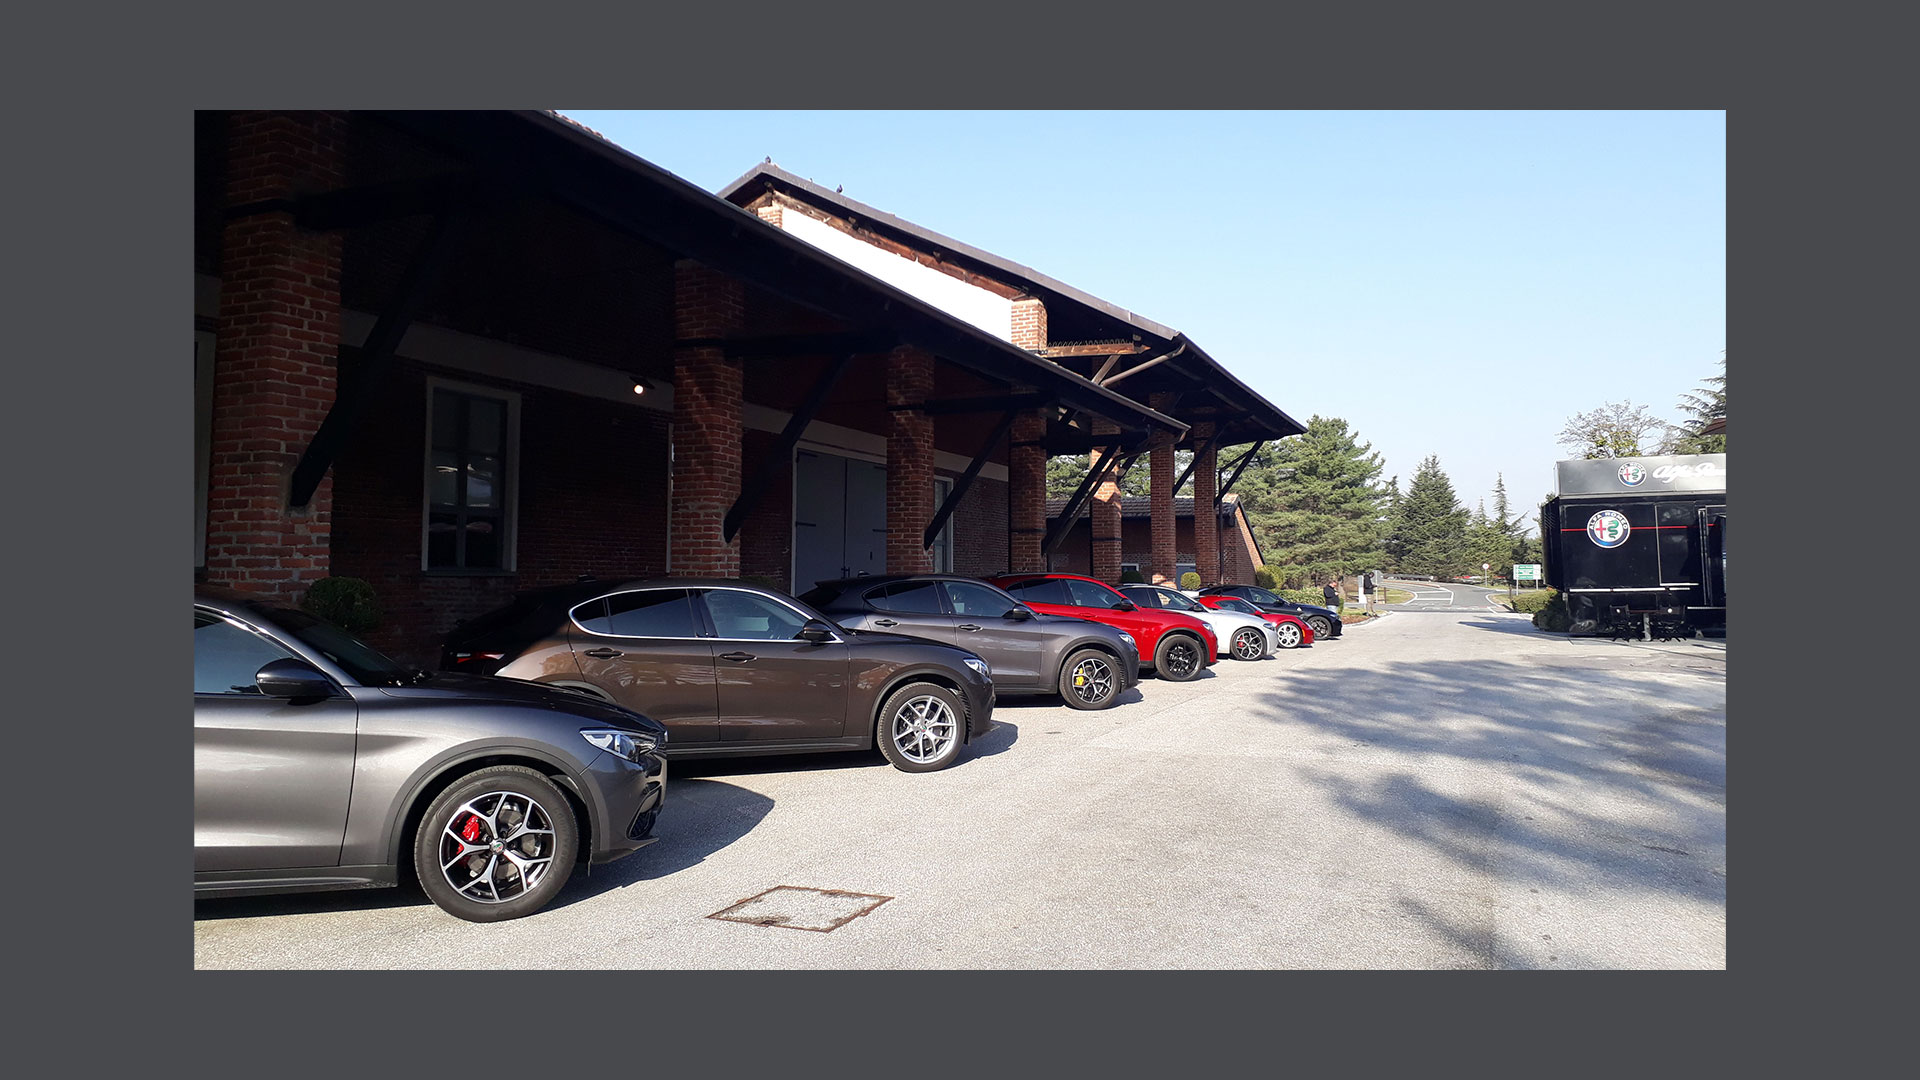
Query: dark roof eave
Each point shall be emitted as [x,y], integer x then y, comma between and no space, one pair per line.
[915,319]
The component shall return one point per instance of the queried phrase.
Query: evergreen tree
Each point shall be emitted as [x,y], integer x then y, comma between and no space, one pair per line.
[1316,500]
[1428,534]
[1703,405]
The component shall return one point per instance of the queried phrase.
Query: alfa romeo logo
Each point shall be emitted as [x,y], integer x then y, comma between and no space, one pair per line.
[1608,528]
[1631,474]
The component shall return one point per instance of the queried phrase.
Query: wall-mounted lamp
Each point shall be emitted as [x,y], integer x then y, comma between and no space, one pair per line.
[640,385]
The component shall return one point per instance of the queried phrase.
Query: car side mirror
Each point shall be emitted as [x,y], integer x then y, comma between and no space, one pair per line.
[1124,605]
[815,631]
[1019,614]
[290,678]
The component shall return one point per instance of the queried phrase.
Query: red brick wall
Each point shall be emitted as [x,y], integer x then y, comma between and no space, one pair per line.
[1030,324]
[706,423]
[1206,528]
[766,537]
[274,379]
[590,495]
[909,461]
[979,526]
[1026,493]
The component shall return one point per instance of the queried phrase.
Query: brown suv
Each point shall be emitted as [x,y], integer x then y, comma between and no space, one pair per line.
[735,669]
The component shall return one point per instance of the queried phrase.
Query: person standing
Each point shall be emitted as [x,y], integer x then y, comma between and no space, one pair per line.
[1332,592]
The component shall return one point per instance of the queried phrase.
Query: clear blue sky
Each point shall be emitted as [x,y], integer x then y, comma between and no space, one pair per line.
[1449,283]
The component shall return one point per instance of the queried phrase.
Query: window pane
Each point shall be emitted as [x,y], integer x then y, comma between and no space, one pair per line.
[482,475]
[1041,591]
[978,601]
[745,615]
[917,597]
[1089,594]
[654,613]
[443,478]
[442,536]
[483,543]
[448,408]
[225,657]
[487,425]
[1146,598]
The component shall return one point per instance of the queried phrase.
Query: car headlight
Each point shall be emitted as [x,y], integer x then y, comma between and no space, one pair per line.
[1128,638]
[980,666]
[624,744]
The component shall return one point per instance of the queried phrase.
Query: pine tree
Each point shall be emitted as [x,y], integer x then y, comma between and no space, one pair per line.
[1704,405]
[1429,529]
[1316,500]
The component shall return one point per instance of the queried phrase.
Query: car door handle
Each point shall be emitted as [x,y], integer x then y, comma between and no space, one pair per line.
[885,622]
[604,654]
[968,627]
[737,657]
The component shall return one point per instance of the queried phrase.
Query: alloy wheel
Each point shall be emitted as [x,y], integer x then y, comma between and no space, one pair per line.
[1182,658]
[496,847]
[922,729]
[1248,644]
[1289,634]
[1092,680]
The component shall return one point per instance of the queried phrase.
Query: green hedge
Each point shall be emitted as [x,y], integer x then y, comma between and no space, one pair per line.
[1264,578]
[1189,581]
[1131,577]
[1553,616]
[1528,603]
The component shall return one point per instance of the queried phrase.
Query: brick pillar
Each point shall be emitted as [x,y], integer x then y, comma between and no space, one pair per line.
[1206,523]
[1105,526]
[706,424]
[1027,493]
[909,461]
[276,357]
[1160,565]
[1030,324]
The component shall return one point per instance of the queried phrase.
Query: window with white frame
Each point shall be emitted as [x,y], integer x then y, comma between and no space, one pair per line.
[472,459]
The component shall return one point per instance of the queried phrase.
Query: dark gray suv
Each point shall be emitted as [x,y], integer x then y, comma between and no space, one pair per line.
[1088,664]
[319,763]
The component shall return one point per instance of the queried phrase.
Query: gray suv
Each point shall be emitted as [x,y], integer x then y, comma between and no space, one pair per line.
[1088,664]
[319,763]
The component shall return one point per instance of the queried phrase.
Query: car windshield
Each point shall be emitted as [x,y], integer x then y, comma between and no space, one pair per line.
[1262,596]
[1179,601]
[368,665]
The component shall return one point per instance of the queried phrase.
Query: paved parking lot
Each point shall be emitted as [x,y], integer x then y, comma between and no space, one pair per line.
[1444,790]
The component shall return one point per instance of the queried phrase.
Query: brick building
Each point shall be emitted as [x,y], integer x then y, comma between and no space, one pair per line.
[1236,549]
[460,354]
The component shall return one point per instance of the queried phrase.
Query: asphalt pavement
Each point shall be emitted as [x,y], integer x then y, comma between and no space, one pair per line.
[1431,791]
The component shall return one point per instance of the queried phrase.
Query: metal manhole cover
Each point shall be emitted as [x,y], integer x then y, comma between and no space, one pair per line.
[796,908]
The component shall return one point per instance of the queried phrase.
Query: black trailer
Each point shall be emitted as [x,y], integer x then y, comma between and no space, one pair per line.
[1638,546]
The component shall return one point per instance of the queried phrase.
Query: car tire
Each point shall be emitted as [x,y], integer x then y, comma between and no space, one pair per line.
[1248,644]
[456,859]
[921,727]
[1091,679]
[1178,658]
[1289,634]
[1322,626]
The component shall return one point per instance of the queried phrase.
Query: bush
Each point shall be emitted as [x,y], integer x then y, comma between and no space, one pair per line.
[1189,581]
[1302,596]
[1131,577]
[1289,577]
[1531,603]
[1264,578]
[347,602]
[1554,616]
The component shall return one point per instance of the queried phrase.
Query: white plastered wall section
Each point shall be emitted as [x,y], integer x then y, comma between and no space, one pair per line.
[970,303]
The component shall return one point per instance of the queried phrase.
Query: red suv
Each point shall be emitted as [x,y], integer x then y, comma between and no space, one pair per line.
[1177,647]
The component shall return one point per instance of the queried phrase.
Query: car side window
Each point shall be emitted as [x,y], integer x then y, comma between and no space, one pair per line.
[658,613]
[907,597]
[1089,594]
[977,601]
[1259,596]
[1146,598]
[226,657]
[1041,591]
[745,615]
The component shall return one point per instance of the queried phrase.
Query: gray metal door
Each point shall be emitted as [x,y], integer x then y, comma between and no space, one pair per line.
[839,518]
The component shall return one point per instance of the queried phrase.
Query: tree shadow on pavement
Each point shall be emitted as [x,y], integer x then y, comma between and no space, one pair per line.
[1621,781]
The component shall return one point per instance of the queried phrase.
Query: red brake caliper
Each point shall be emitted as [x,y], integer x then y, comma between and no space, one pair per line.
[470,832]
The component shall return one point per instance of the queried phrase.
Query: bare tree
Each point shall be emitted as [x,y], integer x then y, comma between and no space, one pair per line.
[1616,429]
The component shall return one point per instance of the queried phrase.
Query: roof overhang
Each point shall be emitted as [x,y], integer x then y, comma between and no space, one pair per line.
[545,154]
